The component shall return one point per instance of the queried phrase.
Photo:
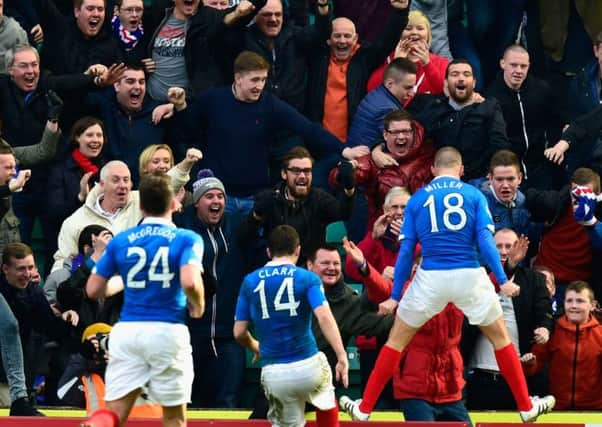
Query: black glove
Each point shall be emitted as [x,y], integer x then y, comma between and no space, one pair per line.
[55,105]
[346,176]
[264,203]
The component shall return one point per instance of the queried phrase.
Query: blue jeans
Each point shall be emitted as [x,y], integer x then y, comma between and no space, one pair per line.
[12,352]
[218,372]
[421,410]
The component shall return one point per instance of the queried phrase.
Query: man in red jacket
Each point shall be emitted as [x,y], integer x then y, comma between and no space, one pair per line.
[430,378]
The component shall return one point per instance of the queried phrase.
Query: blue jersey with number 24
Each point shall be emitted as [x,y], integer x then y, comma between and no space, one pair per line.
[148,258]
[279,299]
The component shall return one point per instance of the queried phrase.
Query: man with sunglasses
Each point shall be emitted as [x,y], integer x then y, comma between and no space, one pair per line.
[296,203]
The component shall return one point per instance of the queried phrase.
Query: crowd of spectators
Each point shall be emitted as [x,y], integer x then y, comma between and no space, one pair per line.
[300,112]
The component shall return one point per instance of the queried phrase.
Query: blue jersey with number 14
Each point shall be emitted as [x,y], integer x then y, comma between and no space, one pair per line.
[279,300]
[148,258]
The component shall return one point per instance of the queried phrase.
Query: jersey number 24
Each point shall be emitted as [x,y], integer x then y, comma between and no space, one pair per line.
[158,271]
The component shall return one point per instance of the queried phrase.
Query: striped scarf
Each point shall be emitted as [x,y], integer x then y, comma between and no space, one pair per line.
[128,39]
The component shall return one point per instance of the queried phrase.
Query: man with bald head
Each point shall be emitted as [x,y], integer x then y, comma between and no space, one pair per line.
[339,72]
[532,114]
[111,203]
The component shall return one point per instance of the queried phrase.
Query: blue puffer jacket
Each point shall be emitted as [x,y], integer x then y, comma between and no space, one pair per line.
[368,123]
[515,216]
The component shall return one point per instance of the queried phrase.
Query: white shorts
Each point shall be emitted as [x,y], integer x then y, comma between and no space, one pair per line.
[157,355]
[288,386]
[431,290]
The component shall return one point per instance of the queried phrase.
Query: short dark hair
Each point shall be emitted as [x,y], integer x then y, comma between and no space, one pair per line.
[78,3]
[283,241]
[248,61]
[15,250]
[584,176]
[504,158]
[156,194]
[398,68]
[397,116]
[598,39]
[80,127]
[5,147]
[325,246]
[580,286]
[85,236]
[297,152]
[458,61]
[447,157]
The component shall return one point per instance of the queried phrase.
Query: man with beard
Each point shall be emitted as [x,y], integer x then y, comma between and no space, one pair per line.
[242,122]
[219,362]
[296,203]
[476,129]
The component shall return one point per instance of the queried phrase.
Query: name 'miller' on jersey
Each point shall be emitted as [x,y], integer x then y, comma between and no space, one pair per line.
[445,216]
[279,299]
[148,257]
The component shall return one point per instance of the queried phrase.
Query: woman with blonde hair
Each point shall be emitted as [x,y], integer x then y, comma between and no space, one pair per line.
[415,44]
[159,158]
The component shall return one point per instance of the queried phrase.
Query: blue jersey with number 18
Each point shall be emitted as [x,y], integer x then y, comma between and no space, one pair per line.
[279,299]
[148,258]
[445,216]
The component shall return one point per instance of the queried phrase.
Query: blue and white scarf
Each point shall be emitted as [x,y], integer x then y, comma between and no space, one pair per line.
[128,39]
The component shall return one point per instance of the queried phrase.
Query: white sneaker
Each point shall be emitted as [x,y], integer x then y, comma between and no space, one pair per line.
[352,407]
[541,405]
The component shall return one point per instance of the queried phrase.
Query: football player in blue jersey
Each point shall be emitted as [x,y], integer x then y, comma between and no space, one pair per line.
[278,299]
[161,267]
[451,221]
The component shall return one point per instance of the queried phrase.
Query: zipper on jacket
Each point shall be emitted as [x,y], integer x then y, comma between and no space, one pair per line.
[574,379]
[524,126]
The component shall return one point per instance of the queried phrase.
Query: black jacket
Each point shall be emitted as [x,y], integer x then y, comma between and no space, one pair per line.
[367,59]
[208,63]
[532,116]
[351,319]
[477,130]
[23,122]
[309,216]
[288,60]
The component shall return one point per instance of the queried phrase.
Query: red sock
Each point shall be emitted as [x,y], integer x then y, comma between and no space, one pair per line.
[103,418]
[384,368]
[512,371]
[328,418]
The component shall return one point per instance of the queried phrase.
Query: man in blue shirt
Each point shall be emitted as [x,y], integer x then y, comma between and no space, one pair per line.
[447,217]
[150,346]
[279,299]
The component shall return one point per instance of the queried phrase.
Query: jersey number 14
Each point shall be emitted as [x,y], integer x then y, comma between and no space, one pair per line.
[291,304]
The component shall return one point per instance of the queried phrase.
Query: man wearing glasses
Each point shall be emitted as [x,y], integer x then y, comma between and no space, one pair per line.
[403,140]
[296,203]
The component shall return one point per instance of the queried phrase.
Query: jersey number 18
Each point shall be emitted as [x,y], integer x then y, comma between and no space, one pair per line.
[453,203]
